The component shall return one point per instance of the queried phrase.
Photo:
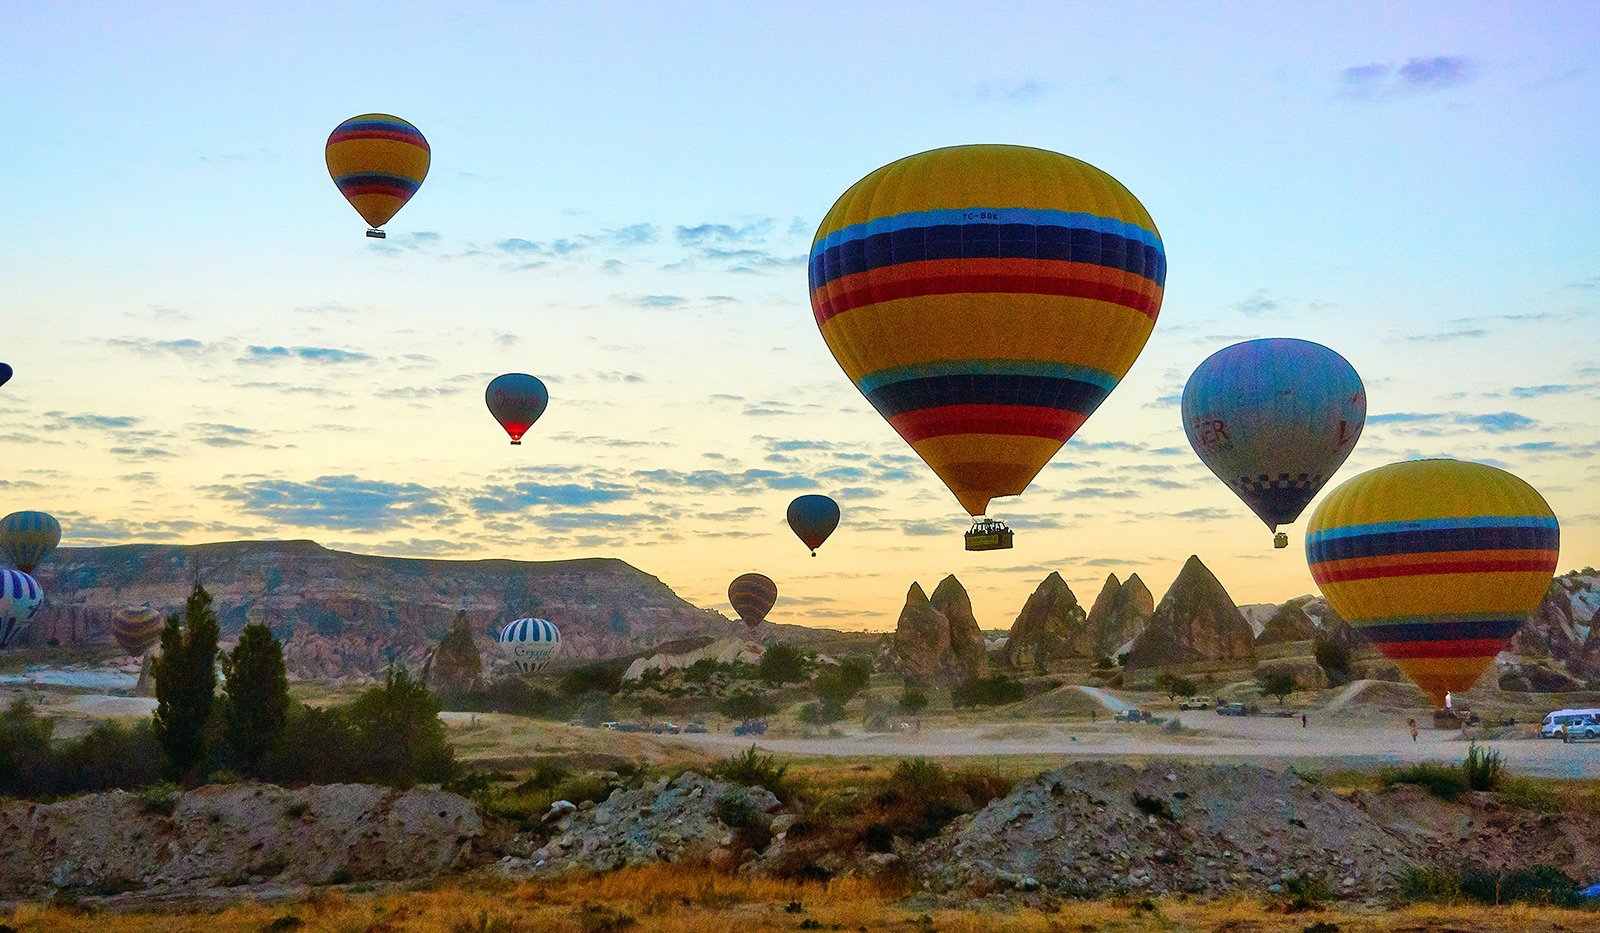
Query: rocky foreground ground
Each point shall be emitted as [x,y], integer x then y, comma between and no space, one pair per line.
[1089,828]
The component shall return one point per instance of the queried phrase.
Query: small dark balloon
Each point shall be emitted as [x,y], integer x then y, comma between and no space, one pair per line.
[5,373]
[516,400]
[813,518]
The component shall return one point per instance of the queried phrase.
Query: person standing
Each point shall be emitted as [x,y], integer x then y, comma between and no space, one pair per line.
[1413,724]
[1303,720]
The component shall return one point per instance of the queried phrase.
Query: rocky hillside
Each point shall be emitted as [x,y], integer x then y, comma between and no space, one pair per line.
[937,640]
[1119,615]
[1051,627]
[1196,621]
[343,614]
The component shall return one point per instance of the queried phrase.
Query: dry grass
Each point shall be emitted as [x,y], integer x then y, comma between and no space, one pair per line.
[682,899]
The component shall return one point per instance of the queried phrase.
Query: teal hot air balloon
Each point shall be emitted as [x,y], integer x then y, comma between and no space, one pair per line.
[812,519]
[1274,419]
[26,538]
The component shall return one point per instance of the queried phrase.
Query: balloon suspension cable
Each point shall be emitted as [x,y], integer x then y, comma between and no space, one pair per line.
[377,234]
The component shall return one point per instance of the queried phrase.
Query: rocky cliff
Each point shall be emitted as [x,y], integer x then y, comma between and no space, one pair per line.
[1196,621]
[937,640]
[1119,615]
[347,614]
[455,666]
[1051,627]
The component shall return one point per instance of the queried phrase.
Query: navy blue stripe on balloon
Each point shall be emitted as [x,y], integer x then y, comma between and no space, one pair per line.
[398,181]
[987,389]
[1462,630]
[1510,538]
[993,241]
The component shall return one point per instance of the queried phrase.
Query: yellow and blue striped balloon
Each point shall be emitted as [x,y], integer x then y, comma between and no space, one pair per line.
[27,538]
[1436,562]
[986,299]
[378,161]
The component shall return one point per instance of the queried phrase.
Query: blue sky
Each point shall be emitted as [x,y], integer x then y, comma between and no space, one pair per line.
[620,200]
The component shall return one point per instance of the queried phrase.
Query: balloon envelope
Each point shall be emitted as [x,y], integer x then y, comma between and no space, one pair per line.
[5,373]
[752,596]
[529,644]
[985,300]
[1274,419]
[813,518]
[378,161]
[137,629]
[20,598]
[516,400]
[27,538]
[1436,562]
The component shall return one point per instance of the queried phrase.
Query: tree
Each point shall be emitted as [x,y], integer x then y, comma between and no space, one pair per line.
[651,707]
[987,691]
[399,738]
[256,696]
[1174,686]
[747,704]
[1334,659]
[186,681]
[913,701]
[1275,682]
[594,708]
[837,685]
[782,663]
[700,671]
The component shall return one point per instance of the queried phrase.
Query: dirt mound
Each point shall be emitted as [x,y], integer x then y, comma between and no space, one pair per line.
[1100,827]
[238,834]
[1481,830]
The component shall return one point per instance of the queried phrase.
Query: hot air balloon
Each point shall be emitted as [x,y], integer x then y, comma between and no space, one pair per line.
[378,161]
[28,538]
[1437,562]
[529,644]
[752,596]
[137,629]
[20,597]
[516,400]
[1274,419]
[5,373]
[813,518]
[985,300]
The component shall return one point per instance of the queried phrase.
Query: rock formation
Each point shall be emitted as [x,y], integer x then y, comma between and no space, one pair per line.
[679,655]
[1289,623]
[1196,621]
[1051,627]
[937,640]
[455,666]
[1119,615]
[1563,627]
[343,615]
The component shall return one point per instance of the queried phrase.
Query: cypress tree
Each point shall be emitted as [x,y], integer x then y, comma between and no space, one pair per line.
[257,692]
[186,683]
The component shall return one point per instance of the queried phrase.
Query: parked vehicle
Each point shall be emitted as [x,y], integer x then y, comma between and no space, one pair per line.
[695,728]
[1233,709]
[1195,703]
[1132,715]
[751,727]
[1580,723]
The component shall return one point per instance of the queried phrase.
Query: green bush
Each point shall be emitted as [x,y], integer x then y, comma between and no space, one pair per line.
[1538,884]
[700,671]
[782,663]
[604,676]
[987,691]
[735,808]
[110,756]
[821,714]
[746,703]
[913,702]
[920,797]
[753,769]
[1441,781]
[1483,770]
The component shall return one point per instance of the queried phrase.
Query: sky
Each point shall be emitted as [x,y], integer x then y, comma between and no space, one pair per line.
[620,202]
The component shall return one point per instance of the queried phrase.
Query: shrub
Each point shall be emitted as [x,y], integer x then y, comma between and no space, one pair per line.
[700,671]
[185,674]
[399,738]
[920,797]
[753,769]
[1538,884]
[746,704]
[821,714]
[837,685]
[604,676]
[782,663]
[1334,659]
[913,702]
[1104,664]
[25,760]
[594,708]
[987,691]
[735,808]
[1483,770]
[1441,781]
[110,756]
[1306,892]
[1276,682]
[314,748]
[1174,686]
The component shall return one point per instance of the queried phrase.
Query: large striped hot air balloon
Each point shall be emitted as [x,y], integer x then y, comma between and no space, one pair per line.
[985,300]
[27,538]
[1274,419]
[378,161]
[529,644]
[752,596]
[137,629]
[20,598]
[1437,562]
[812,518]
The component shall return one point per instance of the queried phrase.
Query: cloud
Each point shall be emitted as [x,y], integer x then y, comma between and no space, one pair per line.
[1382,81]
[1592,281]
[1011,91]
[187,346]
[260,354]
[213,434]
[718,479]
[1493,423]
[64,422]
[651,301]
[519,496]
[339,502]
[1540,391]
[1444,336]
[1257,303]
[703,234]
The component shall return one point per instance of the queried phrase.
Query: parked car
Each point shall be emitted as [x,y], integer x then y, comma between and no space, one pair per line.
[610,725]
[1233,709]
[1580,723]
[1132,715]
[751,727]
[1195,703]
[695,728]
[666,728]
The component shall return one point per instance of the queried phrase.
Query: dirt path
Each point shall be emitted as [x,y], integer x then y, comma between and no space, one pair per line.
[1267,741]
[1105,699]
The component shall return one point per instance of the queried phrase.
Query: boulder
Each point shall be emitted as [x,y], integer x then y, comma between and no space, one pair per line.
[1051,627]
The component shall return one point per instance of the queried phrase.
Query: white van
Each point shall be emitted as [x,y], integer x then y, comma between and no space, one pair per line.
[1580,723]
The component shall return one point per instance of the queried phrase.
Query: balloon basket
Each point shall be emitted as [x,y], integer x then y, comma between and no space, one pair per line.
[516,443]
[376,234]
[1280,540]
[988,535]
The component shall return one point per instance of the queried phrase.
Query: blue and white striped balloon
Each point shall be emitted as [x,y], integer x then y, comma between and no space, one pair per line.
[20,597]
[529,644]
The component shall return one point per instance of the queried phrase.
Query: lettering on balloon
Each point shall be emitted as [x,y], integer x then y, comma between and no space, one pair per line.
[1213,433]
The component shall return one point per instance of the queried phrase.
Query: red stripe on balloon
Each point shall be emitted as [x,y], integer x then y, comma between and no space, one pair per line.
[1466,648]
[398,136]
[1021,420]
[978,276]
[1423,570]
